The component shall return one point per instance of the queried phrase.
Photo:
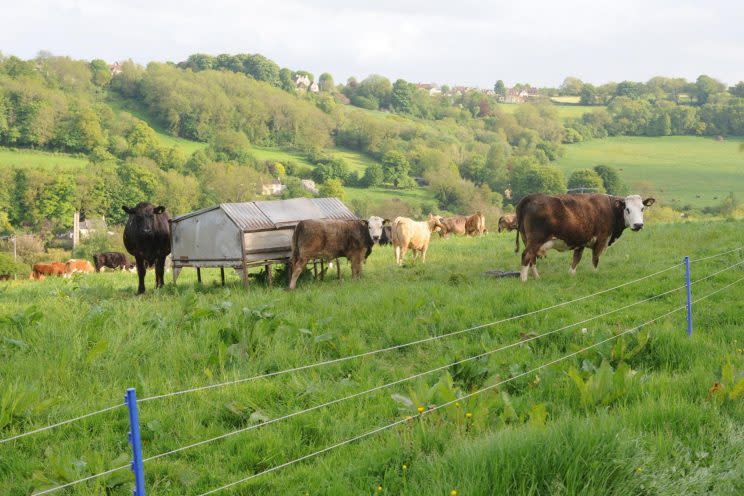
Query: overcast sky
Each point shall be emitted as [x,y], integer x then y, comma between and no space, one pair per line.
[453,41]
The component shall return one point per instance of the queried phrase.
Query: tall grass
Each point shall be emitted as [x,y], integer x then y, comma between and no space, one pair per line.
[71,346]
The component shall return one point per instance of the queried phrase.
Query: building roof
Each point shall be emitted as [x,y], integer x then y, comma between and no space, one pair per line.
[267,215]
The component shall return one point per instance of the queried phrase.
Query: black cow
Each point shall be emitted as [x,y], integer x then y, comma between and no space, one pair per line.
[386,238]
[147,237]
[111,260]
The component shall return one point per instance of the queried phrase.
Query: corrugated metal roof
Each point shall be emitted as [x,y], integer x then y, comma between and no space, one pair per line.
[263,215]
[333,208]
[247,216]
[289,212]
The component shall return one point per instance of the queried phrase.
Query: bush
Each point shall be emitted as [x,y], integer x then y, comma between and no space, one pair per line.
[95,243]
[11,268]
[611,180]
[585,180]
[333,188]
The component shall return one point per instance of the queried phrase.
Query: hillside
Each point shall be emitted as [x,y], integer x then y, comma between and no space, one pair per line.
[646,411]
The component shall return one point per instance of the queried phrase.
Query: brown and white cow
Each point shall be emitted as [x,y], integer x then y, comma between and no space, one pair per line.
[42,270]
[409,234]
[475,224]
[452,225]
[508,222]
[329,239]
[574,222]
[79,266]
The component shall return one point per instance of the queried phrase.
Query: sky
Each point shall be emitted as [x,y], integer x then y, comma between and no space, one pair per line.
[460,42]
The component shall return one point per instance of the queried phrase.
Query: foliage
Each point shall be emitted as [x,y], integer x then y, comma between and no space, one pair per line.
[9,267]
[585,181]
[528,177]
[611,180]
[333,188]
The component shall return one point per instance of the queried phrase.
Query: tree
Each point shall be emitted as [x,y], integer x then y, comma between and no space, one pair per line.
[705,87]
[571,86]
[401,95]
[262,69]
[528,177]
[585,180]
[588,95]
[333,188]
[738,90]
[395,166]
[373,175]
[325,82]
[611,181]
[100,72]
[500,88]
[378,88]
[285,80]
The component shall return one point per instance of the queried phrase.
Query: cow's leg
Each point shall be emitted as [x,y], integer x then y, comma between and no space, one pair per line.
[159,272]
[596,252]
[356,266]
[576,259]
[322,269]
[529,259]
[315,269]
[297,267]
[141,271]
[423,253]
[338,269]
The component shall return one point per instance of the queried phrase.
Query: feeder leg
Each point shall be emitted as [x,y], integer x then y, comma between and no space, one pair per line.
[222,275]
[198,275]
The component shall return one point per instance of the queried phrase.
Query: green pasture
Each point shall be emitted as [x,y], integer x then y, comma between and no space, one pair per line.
[683,170]
[637,415]
[24,158]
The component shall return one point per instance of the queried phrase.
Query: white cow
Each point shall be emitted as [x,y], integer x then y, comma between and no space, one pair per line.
[408,233]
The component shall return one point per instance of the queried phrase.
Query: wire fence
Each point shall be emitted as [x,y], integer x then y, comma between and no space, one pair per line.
[398,381]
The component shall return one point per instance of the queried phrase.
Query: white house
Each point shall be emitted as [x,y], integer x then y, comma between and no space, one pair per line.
[273,188]
[310,186]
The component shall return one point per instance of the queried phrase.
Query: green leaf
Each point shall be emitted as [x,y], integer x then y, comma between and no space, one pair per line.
[538,415]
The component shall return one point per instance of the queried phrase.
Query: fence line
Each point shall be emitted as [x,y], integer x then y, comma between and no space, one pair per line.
[716,255]
[110,471]
[400,346]
[400,381]
[716,273]
[436,407]
[336,360]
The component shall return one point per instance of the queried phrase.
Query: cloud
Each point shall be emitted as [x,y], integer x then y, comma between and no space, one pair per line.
[464,42]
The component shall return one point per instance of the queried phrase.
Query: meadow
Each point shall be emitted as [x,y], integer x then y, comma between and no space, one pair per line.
[639,414]
[24,158]
[683,170]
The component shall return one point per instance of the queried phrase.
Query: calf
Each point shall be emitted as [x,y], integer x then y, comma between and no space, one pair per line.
[42,270]
[79,266]
[508,222]
[111,260]
[408,233]
[451,225]
[574,222]
[147,238]
[475,224]
[329,239]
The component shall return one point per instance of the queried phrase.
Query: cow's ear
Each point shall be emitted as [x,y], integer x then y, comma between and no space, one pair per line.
[128,210]
[365,222]
[619,204]
[649,201]
[386,221]
[159,210]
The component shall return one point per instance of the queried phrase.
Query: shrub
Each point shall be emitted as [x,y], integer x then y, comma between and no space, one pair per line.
[586,180]
[9,267]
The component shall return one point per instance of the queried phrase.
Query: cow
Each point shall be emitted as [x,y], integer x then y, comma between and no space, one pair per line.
[408,233]
[147,238]
[475,224]
[329,239]
[380,230]
[451,225]
[79,266]
[111,260]
[42,270]
[574,222]
[508,222]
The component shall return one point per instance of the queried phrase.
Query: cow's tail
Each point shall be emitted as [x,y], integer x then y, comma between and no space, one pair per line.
[518,213]
[296,236]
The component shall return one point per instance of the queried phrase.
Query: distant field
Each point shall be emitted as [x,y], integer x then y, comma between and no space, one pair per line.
[415,196]
[10,157]
[566,99]
[681,169]
[279,155]
[565,111]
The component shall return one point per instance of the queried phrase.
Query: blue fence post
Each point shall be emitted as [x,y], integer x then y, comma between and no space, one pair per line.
[134,439]
[689,296]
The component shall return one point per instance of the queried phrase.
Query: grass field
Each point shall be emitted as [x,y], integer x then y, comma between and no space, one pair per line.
[635,415]
[681,169]
[565,110]
[23,158]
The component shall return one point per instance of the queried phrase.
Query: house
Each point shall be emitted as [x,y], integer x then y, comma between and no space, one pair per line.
[273,188]
[459,90]
[314,88]
[116,68]
[92,226]
[520,95]
[310,186]
[302,81]
[431,88]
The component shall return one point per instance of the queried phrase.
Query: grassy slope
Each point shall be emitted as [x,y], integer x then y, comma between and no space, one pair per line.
[94,338]
[565,111]
[679,168]
[23,158]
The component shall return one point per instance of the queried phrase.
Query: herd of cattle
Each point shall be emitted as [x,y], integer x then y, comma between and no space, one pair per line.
[542,222]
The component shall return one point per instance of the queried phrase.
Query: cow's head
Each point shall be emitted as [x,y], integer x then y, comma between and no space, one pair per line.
[142,216]
[436,223]
[633,207]
[375,227]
